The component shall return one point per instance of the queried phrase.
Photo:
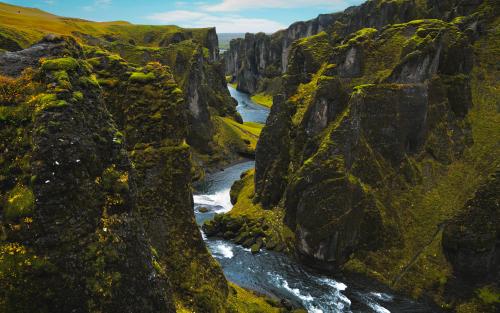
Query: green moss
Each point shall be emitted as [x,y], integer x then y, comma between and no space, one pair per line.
[361,36]
[489,295]
[14,114]
[19,203]
[21,273]
[317,46]
[63,79]
[115,180]
[306,93]
[62,64]
[244,301]
[263,99]
[108,82]
[271,220]
[78,96]
[233,136]
[89,81]
[44,102]
[139,77]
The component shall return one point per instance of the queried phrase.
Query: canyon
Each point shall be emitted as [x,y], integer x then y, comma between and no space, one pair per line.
[139,172]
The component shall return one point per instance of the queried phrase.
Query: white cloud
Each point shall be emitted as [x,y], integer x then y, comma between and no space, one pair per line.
[224,23]
[238,5]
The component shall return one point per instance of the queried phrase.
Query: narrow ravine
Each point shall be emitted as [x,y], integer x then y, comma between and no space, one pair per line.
[272,273]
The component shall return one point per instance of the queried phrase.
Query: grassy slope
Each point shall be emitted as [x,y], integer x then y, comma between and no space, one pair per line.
[28,25]
[263,99]
[241,138]
[277,232]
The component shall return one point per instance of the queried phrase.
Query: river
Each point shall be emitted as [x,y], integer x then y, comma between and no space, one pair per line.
[276,274]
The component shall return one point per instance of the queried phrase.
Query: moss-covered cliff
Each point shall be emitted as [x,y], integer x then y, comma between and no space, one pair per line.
[257,62]
[377,141]
[192,55]
[96,210]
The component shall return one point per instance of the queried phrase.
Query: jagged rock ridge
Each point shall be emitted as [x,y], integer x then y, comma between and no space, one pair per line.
[255,62]
[378,121]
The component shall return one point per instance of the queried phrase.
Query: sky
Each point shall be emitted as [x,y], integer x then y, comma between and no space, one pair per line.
[229,16]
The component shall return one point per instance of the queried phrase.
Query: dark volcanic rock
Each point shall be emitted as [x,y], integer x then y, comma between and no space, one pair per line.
[471,239]
[13,63]
[101,213]
[257,57]
[323,153]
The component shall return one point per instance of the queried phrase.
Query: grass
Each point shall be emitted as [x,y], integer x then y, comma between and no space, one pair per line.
[238,137]
[244,301]
[28,25]
[263,99]
[245,207]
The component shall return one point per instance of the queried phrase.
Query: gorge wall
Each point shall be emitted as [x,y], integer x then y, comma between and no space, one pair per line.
[96,206]
[191,54]
[383,128]
[256,62]
[83,192]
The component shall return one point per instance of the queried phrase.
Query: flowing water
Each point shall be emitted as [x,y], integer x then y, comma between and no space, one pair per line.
[275,274]
[249,110]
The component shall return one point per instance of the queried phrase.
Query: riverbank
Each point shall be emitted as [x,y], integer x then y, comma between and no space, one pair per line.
[275,274]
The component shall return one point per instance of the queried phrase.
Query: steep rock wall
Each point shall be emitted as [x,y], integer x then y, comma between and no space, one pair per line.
[257,59]
[369,142]
[96,181]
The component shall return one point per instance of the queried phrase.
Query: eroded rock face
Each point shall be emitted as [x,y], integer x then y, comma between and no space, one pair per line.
[13,63]
[324,153]
[82,218]
[154,135]
[193,58]
[470,240]
[244,54]
[82,229]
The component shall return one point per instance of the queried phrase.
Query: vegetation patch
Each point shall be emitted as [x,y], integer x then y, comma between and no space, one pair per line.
[248,223]
[19,202]
[139,77]
[263,99]
[62,64]
[233,136]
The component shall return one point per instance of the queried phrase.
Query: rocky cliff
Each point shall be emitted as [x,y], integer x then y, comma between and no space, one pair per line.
[71,205]
[96,210]
[192,55]
[380,121]
[256,62]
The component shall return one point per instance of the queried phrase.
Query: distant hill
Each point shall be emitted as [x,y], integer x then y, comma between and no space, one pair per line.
[20,27]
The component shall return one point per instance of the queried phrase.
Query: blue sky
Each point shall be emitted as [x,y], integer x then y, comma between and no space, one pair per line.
[227,15]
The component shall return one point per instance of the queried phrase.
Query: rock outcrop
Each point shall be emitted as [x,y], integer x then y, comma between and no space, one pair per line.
[370,138]
[257,60]
[96,181]
[71,207]
[192,55]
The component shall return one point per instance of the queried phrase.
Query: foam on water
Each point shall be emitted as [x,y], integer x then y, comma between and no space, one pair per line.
[221,200]
[382,296]
[333,283]
[283,283]
[378,308]
[224,250]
